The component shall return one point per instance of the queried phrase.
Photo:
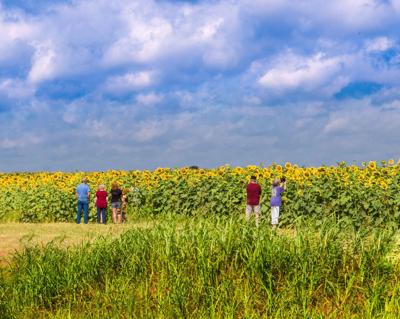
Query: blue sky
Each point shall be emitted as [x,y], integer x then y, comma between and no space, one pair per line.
[97,85]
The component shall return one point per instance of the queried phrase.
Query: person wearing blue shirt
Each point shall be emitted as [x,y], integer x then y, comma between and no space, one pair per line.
[82,194]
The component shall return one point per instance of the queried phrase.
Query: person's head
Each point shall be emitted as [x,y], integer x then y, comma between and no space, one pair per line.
[114,186]
[276,182]
[101,187]
[253,179]
[84,180]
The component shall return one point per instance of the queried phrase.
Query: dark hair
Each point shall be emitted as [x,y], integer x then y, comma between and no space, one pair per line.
[253,177]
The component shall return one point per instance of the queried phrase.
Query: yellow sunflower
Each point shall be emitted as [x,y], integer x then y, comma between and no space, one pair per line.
[372,165]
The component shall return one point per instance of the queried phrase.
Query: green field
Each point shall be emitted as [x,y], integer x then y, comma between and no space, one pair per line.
[171,267]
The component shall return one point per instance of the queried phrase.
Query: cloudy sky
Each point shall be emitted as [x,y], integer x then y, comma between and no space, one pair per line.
[138,84]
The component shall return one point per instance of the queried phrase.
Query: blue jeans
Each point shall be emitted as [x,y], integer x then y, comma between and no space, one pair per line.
[101,212]
[85,207]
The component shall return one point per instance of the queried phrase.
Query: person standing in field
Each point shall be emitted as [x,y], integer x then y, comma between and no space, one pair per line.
[278,187]
[253,199]
[116,202]
[83,194]
[124,204]
[101,204]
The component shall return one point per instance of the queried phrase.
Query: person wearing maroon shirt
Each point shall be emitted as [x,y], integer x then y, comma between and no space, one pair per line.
[253,199]
[101,204]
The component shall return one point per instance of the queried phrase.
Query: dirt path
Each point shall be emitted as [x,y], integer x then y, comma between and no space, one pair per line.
[13,236]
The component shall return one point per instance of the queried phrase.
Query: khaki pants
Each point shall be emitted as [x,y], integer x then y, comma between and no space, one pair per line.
[257,211]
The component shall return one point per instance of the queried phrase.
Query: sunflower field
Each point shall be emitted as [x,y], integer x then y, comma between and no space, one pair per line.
[367,193]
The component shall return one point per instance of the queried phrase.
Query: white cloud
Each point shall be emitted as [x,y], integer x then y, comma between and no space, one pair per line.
[205,33]
[73,112]
[396,4]
[291,72]
[356,15]
[149,99]
[337,123]
[149,130]
[44,64]
[131,81]
[379,44]
[98,129]
[14,32]
[16,89]
[360,117]
[144,40]
[19,142]
[209,29]
[221,58]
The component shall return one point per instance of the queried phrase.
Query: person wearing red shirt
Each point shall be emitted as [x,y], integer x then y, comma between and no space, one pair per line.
[253,199]
[101,204]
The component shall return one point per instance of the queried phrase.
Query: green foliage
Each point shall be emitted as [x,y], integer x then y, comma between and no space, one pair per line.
[209,268]
[366,196]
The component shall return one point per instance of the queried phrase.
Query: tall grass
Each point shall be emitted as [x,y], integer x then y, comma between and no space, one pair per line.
[209,268]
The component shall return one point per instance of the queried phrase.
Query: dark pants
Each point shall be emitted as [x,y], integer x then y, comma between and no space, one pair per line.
[85,207]
[101,215]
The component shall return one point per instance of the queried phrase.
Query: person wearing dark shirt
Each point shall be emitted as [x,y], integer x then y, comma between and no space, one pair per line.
[253,199]
[116,202]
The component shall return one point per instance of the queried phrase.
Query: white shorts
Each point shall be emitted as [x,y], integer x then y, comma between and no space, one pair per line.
[274,215]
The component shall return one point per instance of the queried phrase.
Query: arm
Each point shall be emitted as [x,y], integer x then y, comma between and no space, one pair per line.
[283,183]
